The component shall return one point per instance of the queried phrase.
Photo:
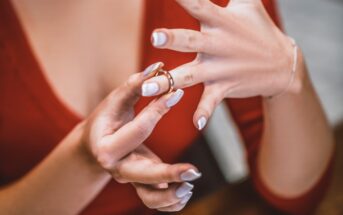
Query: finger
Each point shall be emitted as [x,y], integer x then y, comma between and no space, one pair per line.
[116,145]
[208,103]
[127,94]
[178,206]
[182,40]
[154,173]
[203,10]
[235,2]
[147,153]
[157,198]
[184,76]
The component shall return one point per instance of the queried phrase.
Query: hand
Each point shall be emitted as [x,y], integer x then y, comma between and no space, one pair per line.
[241,53]
[112,131]
[113,138]
[161,186]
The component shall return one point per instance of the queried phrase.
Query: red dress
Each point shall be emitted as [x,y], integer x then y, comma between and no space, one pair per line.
[33,121]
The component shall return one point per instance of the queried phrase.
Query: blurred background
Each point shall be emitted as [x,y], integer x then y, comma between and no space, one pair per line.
[317,26]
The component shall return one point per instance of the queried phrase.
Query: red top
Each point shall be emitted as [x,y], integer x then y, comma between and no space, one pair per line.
[33,120]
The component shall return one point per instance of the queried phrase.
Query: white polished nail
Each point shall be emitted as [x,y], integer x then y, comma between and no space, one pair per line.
[183,190]
[186,198]
[152,68]
[190,175]
[159,39]
[201,122]
[174,98]
[150,89]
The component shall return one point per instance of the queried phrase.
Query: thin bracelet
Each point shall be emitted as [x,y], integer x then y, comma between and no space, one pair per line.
[294,69]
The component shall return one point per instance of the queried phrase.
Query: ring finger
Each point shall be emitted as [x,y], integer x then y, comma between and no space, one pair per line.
[184,76]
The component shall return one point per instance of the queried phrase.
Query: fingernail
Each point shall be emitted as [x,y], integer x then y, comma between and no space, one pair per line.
[186,198]
[150,89]
[175,98]
[183,190]
[190,175]
[201,122]
[152,68]
[159,38]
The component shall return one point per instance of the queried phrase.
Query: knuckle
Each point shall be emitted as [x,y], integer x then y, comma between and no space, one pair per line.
[188,78]
[105,161]
[132,80]
[142,130]
[195,41]
[167,175]
[158,111]
[116,173]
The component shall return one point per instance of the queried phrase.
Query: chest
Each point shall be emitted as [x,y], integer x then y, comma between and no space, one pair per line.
[85,49]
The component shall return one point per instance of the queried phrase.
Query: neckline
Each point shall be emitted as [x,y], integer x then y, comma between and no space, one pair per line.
[36,81]
[38,72]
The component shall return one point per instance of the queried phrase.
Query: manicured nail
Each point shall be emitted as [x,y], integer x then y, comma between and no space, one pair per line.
[175,98]
[190,175]
[201,122]
[186,198]
[159,38]
[152,68]
[150,89]
[183,190]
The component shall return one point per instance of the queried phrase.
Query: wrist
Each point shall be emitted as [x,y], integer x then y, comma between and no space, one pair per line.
[291,76]
[82,150]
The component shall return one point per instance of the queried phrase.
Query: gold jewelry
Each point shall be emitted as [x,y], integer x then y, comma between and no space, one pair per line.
[168,76]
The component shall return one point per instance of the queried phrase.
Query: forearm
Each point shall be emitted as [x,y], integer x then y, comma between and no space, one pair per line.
[64,183]
[297,142]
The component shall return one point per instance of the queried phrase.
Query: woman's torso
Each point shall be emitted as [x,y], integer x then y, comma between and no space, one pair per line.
[85,48]
[44,94]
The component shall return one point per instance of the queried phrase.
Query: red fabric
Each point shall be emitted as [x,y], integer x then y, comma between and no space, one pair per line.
[33,121]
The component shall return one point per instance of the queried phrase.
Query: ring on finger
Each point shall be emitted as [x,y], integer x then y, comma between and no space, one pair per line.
[168,76]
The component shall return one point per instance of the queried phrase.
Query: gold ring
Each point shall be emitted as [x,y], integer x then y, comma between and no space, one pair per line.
[168,76]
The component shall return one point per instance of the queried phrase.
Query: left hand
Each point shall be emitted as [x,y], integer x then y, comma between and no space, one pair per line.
[240,53]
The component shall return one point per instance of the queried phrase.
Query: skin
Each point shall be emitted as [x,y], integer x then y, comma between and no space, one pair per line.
[96,150]
[107,144]
[241,53]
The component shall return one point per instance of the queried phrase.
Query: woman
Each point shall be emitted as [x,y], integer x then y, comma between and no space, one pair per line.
[241,54]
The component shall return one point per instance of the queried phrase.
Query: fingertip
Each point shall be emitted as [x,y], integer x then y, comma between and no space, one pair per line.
[160,38]
[190,175]
[174,98]
[152,69]
[201,123]
[200,120]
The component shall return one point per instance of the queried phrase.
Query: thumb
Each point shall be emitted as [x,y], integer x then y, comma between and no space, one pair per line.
[115,146]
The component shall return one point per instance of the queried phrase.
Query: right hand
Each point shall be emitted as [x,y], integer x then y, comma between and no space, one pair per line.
[160,186]
[112,131]
[113,137]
